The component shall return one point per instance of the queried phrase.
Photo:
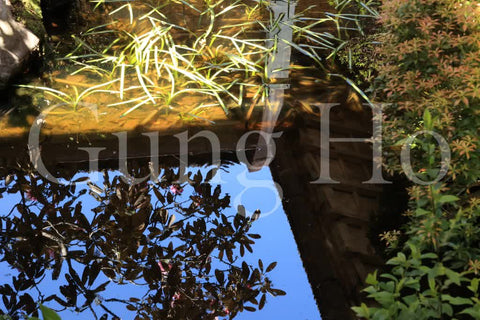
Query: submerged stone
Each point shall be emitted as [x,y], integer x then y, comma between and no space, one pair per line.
[16,43]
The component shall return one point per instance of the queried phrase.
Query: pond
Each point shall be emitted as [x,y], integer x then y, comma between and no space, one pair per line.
[109,210]
[65,269]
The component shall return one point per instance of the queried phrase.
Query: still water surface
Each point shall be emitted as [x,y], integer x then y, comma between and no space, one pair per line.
[253,190]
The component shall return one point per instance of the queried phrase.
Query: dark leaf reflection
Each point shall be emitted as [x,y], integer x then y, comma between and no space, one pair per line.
[174,240]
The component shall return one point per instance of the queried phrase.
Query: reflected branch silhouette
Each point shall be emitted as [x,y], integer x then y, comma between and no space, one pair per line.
[175,242]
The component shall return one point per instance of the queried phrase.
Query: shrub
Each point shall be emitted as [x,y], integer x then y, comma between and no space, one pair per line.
[430,76]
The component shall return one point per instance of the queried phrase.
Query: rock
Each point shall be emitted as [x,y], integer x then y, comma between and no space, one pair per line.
[16,43]
[29,13]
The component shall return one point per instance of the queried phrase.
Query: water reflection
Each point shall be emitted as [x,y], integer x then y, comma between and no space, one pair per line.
[174,244]
[204,64]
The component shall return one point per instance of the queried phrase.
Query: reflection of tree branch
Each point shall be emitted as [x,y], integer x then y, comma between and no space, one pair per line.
[63,250]
[93,312]
[8,215]
[186,295]
[53,227]
[116,300]
[108,245]
[108,310]
[74,226]
[36,283]
[231,264]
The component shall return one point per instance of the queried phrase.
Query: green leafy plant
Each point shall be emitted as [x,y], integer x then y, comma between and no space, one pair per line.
[428,73]
[435,275]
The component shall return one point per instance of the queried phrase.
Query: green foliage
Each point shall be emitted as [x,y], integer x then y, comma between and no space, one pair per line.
[435,276]
[431,63]
[429,73]
[361,59]
[350,20]
[357,53]
[146,54]
[29,13]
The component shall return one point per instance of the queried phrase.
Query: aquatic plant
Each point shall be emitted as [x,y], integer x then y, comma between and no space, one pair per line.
[74,99]
[207,56]
[158,58]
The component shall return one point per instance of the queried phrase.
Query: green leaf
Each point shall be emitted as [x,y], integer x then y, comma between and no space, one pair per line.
[388,276]
[384,298]
[422,212]
[453,276]
[456,301]
[372,278]
[382,314]
[413,283]
[427,120]
[388,286]
[447,309]
[474,312]
[474,285]
[447,199]
[49,314]
[410,299]
[429,255]
[362,311]
[370,289]
[431,282]
[398,260]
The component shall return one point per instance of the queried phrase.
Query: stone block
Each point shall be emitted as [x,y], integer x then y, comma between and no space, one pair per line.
[341,201]
[352,239]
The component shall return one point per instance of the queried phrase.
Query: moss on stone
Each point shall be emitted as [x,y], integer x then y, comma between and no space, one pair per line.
[29,13]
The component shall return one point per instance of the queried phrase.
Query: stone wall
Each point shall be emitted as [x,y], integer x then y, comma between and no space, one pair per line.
[330,222]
